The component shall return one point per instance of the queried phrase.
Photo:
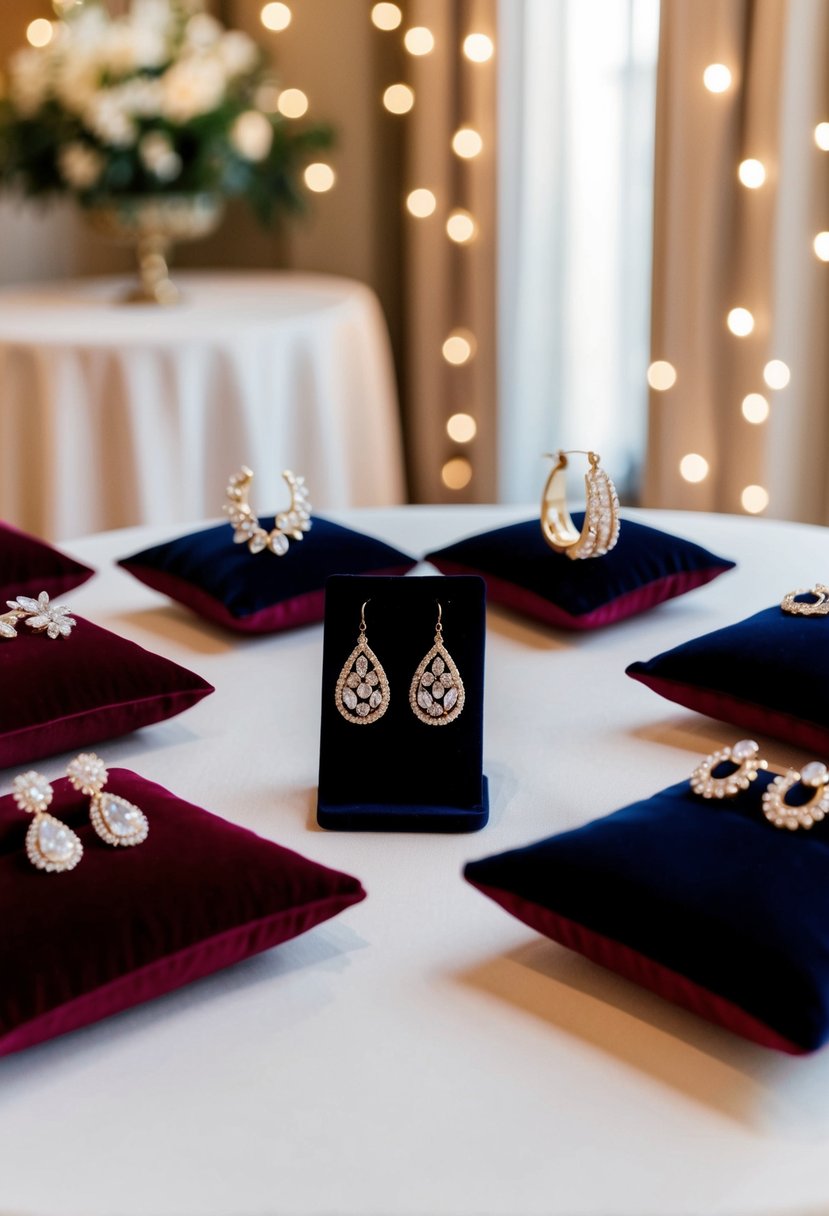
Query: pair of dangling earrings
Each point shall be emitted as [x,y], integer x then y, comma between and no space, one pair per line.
[50,844]
[436,693]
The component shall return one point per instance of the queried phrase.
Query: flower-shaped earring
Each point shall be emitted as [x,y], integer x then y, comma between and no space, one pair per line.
[50,844]
[39,615]
[116,821]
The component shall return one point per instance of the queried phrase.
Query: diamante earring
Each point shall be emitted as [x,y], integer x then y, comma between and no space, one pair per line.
[50,844]
[362,691]
[437,694]
[813,777]
[742,762]
[116,821]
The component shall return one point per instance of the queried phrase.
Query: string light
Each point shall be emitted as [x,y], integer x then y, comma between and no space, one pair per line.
[459,347]
[462,428]
[755,408]
[821,246]
[386,16]
[754,499]
[716,78]
[822,136]
[398,98]
[275,17]
[693,467]
[421,203]
[752,173]
[292,103]
[740,321]
[319,177]
[661,375]
[478,47]
[461,227]
[776,373]
[39,32]
[467,143]
[419,40]
[456,473]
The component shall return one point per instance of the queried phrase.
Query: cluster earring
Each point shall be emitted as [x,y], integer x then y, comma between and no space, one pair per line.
[437,694]
[50,844]
[117,821]
[742,762]
[362,690]
[39,615]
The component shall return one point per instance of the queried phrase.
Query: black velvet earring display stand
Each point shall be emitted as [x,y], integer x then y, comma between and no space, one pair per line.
[399,774]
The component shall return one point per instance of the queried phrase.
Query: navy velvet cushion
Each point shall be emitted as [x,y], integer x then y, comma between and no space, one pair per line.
[67,692]
[768,674]
[704,902]
[523,573]
[261,593]
[129,924]
[29,566]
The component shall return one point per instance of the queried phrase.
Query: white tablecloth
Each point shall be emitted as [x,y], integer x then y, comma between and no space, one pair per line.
[424,1054]
[114,414]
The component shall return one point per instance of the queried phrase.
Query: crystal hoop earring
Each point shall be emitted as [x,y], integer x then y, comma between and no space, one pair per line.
[600,530]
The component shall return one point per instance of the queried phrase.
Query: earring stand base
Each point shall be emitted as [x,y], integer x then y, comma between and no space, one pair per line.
[383,817]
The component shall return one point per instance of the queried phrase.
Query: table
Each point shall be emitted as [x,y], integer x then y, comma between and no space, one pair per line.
[114,414]
[424,1052]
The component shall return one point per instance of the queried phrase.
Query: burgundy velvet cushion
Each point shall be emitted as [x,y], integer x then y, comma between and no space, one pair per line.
[129,924]
[29,566]
[69,692]
[523,573]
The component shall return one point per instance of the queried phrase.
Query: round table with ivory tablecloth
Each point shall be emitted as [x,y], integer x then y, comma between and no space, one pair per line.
[115,414]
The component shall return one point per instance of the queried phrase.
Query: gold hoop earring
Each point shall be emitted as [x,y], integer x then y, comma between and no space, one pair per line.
[290,524]
[600,530]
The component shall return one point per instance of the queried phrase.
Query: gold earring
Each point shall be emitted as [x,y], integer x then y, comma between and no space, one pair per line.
[290,524]
[744,763]
[116,821]
[437,695]
[362,690]
[600,530]
[50,844]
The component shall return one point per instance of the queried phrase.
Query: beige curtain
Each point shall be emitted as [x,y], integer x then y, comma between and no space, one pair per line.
[719,245]
[450,286]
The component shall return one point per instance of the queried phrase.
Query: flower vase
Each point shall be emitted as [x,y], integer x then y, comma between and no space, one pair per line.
[153,224]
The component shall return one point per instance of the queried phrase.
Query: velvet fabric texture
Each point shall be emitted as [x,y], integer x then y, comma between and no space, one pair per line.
[398,774]
[128,924]
[29,566]
[703,901]
[69,692]
[261,593]
[523,573]
[767,674]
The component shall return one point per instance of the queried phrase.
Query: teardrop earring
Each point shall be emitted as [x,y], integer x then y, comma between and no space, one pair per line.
[116,821]
[362,691]
[50,844]
[437,694]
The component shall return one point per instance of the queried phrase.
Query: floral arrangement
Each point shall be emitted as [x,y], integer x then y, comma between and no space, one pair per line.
[160,100]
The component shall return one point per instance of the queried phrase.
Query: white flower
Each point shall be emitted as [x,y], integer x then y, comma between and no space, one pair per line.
[80,166]
[159,156]
[252,135]
[191,87]
[106,116]
[141,96]
[238,52]
[29,80]
[202,31]
[76,81]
